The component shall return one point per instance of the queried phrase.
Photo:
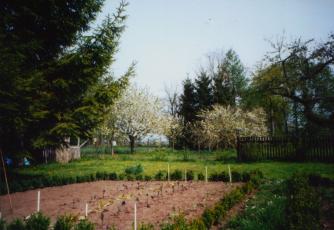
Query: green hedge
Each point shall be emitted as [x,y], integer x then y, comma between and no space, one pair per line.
[38,221]
[133,174]
[212,216]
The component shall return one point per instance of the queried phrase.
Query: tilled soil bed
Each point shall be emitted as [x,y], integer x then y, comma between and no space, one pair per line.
[112,202]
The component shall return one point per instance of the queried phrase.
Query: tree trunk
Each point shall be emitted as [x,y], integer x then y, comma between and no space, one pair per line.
[132,143]
[295,117]
[199,146]
[112,144]
[286,131]
[173,145]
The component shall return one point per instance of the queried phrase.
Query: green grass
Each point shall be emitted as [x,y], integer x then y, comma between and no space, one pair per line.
[267,209]
[264,211]
[154,160]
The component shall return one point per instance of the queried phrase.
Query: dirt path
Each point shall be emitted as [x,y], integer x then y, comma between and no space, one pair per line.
[112,202]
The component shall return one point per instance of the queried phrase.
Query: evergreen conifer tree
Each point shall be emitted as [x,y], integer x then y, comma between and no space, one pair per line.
[54,80]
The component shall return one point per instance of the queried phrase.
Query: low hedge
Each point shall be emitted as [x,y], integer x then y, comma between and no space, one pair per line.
[41,182]
[38,221]
[212,216]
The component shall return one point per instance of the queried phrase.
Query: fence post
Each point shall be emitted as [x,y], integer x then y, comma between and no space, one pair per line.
[238,145]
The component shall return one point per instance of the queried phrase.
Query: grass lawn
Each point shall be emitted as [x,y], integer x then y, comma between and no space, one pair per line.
[153,160]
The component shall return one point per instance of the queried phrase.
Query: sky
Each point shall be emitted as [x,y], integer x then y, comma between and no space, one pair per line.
[170,39]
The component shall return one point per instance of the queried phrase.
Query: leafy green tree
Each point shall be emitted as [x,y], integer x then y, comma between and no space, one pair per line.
[304,76]
[276,107]
[54,79]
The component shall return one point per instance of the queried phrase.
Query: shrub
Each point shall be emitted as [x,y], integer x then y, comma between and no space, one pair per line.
[218,213]
[176,175]
[146,227]
[113,176]
[160,175]
[79,179]
[84,225]
[71,180]
[47,181]
[101,175]
[190,175]
[56,180]
[256,173]
[200,176]
[38,221]
[246,176]
[179,222]
[197,224]
[315,179]
[208,218]
[214,177]
[16,225]
[2,224]
[92,177]
[121,176]
[63,180]
[65,222]
[223,176]
[36,183]
[147,177]
[302,211]
[236,176]
[247,188]
[130,177]
[112,228]
[139,177]
[16,187]
[134,170]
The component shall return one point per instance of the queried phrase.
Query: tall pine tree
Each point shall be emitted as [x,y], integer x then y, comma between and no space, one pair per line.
[229,80]
[53,77]
[204,91]
[188,105]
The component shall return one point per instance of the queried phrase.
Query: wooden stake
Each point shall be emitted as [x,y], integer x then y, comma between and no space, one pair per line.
[206,173]
[185,175]
[38,201]
[229,173]
[168,173]
[135,217]
[86,210]
[8,192]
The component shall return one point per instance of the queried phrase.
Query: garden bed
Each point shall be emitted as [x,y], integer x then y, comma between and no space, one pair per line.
[112,202]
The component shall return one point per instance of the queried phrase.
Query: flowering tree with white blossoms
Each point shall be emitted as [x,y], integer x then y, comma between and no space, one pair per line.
[137,113]
[220,123]
[171,127]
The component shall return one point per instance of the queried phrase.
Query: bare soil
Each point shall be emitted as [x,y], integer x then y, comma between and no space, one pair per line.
[112,202]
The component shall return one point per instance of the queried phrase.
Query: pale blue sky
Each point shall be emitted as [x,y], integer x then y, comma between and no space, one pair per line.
[170,38]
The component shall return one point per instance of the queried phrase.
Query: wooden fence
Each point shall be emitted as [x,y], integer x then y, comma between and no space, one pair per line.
[286,148]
